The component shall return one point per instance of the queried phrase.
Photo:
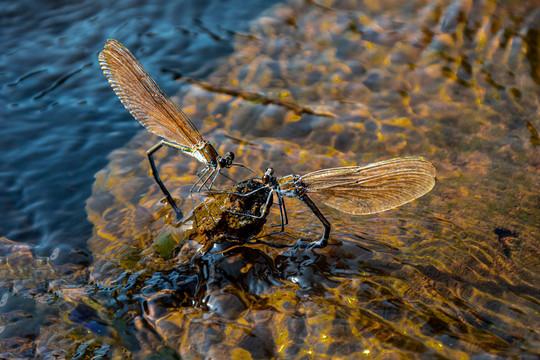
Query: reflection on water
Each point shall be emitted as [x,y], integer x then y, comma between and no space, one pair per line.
[452,275]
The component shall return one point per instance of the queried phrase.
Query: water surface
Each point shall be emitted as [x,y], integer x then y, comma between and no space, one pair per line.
[317,85]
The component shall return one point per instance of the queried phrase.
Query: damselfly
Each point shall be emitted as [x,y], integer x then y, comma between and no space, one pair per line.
[156,112]
[352,189]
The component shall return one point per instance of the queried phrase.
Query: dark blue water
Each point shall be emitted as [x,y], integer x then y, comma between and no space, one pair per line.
[58,116]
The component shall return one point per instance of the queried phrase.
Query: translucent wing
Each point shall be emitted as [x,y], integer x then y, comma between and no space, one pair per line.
[143,98]
[374,188]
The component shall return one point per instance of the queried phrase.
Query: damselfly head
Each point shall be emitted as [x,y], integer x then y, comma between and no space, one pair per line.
[227,160]
[268,175]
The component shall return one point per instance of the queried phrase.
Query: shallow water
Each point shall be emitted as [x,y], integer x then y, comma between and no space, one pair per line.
[451,275]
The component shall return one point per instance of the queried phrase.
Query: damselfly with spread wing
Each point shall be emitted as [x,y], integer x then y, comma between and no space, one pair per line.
[357,190]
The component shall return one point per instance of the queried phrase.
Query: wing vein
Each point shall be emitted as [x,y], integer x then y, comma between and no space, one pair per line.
[143,98]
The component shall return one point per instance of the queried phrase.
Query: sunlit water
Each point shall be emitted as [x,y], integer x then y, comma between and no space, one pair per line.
[314,85]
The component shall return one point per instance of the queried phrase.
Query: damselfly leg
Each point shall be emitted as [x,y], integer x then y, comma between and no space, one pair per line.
[157,178]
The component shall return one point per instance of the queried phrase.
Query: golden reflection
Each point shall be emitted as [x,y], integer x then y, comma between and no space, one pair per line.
[451,276]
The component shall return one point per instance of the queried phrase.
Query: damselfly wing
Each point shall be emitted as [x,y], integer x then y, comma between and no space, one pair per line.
[370,189]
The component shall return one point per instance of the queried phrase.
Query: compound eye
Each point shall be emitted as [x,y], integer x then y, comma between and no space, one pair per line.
[229,155]
[270,171]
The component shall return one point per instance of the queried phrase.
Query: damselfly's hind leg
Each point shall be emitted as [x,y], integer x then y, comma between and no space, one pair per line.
[323,241]
[170,200]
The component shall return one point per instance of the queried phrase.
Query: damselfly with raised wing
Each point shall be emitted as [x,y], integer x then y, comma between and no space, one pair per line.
[156,112]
